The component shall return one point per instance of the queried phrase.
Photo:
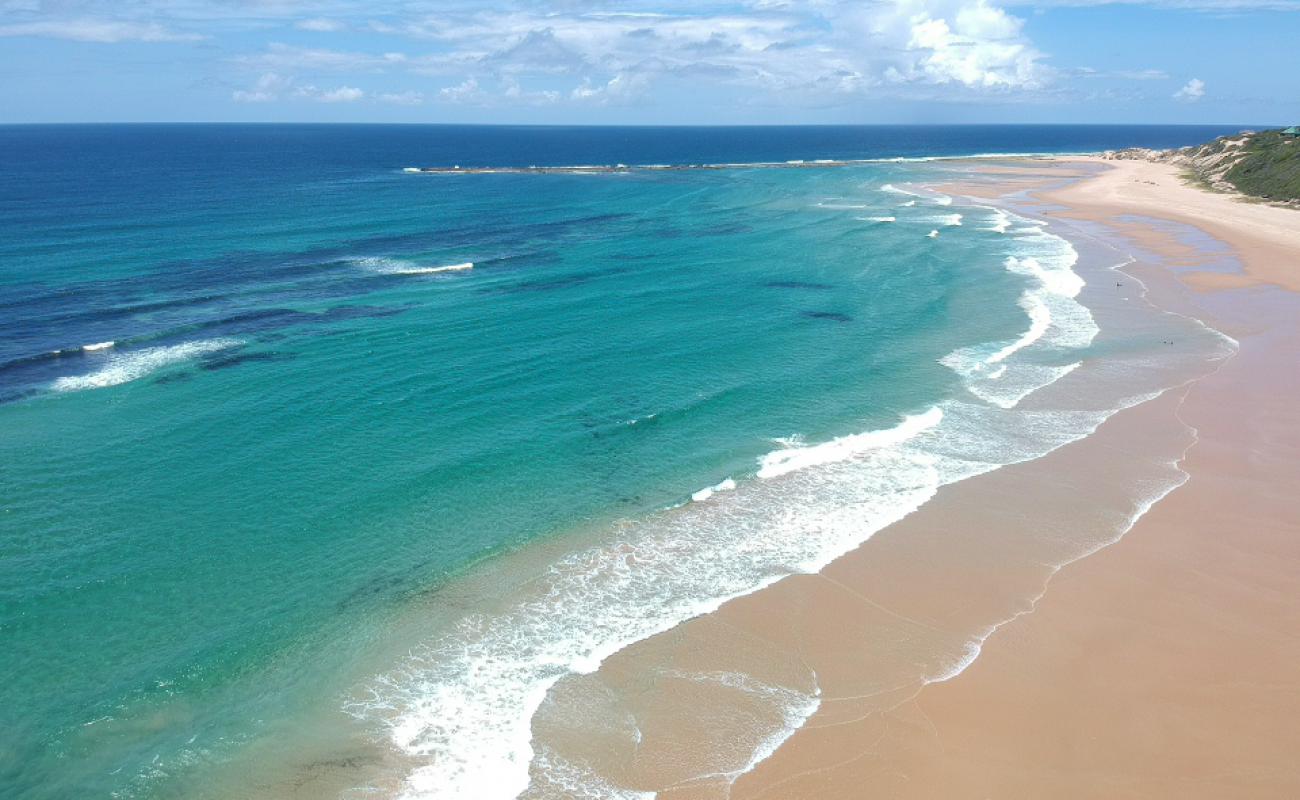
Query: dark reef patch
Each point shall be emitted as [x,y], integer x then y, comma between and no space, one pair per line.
[235,359]
[831,316]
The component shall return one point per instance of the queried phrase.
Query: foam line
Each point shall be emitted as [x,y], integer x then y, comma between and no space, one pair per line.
[131,365]
[1058,323]
[395,266]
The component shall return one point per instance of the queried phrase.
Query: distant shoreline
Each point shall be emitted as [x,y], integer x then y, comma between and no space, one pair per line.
[821,163]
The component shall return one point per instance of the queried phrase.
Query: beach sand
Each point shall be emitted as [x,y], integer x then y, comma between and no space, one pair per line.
[1014,638]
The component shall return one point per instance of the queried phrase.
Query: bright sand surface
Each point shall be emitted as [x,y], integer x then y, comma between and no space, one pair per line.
[1165,663]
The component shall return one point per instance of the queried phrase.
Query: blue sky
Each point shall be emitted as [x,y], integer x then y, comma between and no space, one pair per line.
[651,61]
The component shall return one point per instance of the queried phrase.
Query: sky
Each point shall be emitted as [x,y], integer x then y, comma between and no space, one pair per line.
[651,61]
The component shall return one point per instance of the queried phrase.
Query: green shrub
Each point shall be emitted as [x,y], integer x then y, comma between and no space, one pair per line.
[1270,167]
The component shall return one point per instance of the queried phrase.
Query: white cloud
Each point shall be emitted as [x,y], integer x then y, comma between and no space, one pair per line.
[1211,6]
[279,56]
[831,51]
[814,54]
[271,86]
[465,91]
[407,98]
[516,93]
[618,88]
[1191,92]
[98,30]
[268,88]
[971,44]
[1122,74]
[320,25]
[343,94]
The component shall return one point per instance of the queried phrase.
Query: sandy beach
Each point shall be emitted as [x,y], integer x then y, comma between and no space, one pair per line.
[1116,619]
[1163,666]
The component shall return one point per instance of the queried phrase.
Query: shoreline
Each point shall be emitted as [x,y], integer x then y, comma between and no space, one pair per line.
[584,521]
[814,636]
[778,656]
[1265,235]
[983,731]
[326,764]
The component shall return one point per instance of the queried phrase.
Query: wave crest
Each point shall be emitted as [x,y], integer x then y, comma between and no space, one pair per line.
[135,364]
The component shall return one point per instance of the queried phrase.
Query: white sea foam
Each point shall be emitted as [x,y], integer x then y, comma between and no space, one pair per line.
[131,365]
[878,219]
[1000,222]
[579,782]
[90,348]
[939,199]
[932,235]
[946,220]
[707,492]
[1057,322]
[781,462]
[395,266]
[795,707]
[928,195]
[448,268]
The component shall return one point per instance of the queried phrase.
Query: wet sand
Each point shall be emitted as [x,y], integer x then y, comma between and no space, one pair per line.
[1166,665]
[1014,638]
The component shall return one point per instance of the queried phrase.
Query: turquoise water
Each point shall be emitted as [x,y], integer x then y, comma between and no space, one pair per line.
[300,427]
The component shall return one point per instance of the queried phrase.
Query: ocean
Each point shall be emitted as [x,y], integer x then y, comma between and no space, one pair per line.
[310,466]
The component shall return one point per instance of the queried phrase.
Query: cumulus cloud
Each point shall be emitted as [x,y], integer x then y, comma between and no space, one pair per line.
[1191,92]
[617,89]
[972,44]
[465,91]
[832,51]
[98,30]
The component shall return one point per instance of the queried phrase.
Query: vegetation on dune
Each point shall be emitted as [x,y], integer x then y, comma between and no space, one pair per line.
[1269,167]
[1264,165]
